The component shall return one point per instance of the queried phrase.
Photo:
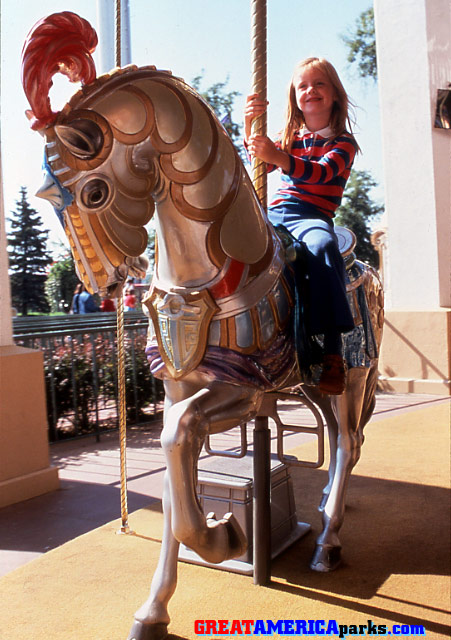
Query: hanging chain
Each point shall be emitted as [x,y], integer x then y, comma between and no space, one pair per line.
[259,126]
[122,401]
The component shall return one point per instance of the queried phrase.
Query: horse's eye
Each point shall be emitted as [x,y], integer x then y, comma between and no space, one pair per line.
[95,193]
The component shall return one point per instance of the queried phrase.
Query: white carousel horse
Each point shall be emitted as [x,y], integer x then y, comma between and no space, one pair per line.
[220,300]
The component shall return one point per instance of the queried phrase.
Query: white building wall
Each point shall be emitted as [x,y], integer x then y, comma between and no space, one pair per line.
[414,60]
[438,25]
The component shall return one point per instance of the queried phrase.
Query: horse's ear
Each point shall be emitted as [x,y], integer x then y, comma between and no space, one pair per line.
[83,138]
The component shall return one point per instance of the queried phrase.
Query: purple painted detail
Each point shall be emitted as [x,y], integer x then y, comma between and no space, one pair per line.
[262,369]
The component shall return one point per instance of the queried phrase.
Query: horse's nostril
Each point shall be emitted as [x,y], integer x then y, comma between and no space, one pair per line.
[95,193]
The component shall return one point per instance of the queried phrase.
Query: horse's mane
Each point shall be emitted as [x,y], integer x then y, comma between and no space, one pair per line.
[60,42]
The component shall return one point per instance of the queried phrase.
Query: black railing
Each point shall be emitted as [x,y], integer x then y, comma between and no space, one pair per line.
[80,366]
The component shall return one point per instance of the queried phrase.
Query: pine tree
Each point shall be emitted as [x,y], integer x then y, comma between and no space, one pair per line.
[28,258]
[356,212]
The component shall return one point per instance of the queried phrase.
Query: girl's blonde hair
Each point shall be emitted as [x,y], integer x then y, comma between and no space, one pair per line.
[294,118]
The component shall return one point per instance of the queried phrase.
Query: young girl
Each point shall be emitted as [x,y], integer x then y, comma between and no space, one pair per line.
[315,154]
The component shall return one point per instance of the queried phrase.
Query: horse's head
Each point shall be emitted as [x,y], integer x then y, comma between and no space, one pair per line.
[101,197]
[126,140]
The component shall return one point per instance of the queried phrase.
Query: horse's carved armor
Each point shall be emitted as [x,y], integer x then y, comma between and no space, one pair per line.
[220,300]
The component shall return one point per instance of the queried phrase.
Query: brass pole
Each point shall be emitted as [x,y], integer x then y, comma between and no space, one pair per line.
[122,402]
[262,434]
[259,126]
[118,34]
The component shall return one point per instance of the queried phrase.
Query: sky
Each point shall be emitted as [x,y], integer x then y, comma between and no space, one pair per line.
[189,37]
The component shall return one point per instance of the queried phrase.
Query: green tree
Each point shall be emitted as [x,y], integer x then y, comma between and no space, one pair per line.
[361,45]
[28,258]
[357,211]
[222,103]
[61,283]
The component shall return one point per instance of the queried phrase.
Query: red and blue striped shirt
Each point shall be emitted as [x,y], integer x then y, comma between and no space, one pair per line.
[320,164]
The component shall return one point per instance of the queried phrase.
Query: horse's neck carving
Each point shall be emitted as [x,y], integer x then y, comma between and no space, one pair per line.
[183,259]
[210,210]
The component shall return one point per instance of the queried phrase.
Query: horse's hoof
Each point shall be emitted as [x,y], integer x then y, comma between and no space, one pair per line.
[237,538]
[326,558]
[227,539]
[153,631]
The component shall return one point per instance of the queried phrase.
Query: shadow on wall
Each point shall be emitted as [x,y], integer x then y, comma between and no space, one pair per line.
[427,366]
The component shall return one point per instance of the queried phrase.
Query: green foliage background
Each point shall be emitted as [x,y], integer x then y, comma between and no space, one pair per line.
[358,211]
[61,283]
[361,45]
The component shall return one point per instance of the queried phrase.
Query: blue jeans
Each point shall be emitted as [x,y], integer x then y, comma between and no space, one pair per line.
[328,306]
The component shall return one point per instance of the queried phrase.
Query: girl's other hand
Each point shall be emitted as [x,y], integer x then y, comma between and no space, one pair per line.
[263,148]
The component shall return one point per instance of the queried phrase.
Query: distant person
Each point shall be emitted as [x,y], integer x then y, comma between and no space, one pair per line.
[83,301]
[130,300]
[107,304]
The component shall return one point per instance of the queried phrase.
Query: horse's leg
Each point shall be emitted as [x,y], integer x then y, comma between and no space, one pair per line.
[348,411]
[369,400]
[189,417]
[191,410]
[332,431]
[152,619]
[324,403]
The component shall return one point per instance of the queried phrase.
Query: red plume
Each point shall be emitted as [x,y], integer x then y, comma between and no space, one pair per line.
[61,42]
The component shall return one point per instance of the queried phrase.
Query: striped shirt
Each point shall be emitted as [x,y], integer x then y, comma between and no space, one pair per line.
[320,164]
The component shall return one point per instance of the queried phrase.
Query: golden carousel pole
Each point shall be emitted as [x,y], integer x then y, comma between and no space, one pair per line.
[122,404]
[262,435]
[259,73]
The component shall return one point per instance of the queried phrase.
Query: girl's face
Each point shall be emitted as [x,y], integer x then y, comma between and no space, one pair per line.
[315,96]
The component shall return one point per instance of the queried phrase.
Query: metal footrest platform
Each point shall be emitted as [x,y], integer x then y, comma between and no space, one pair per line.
[225,485]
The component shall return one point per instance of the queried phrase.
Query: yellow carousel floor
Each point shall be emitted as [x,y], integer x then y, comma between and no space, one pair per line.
[395,550]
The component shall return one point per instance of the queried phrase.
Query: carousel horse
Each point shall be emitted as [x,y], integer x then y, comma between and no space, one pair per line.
[139,143]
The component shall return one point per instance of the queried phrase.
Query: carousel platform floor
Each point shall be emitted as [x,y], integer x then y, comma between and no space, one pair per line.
[67,576]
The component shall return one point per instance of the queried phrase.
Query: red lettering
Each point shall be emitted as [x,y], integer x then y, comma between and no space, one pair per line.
[199,626]
[210,626]
[247,626]
[223,626]
[235,627]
